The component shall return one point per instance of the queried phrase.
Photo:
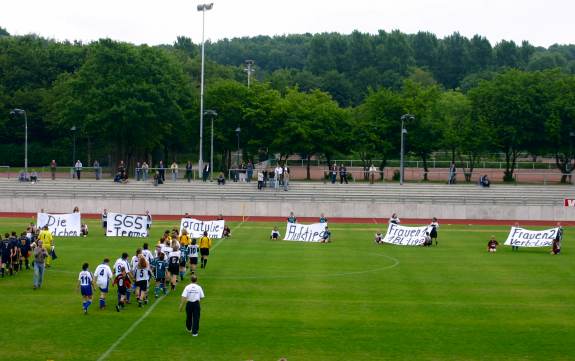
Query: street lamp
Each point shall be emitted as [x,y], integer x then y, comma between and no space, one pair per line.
[214,114]
[73,130]
[14,113]
[238,130]
[249,69]
[203,8]
[404,118]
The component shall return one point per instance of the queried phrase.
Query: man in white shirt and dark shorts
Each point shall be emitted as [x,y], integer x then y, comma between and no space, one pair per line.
[191,296]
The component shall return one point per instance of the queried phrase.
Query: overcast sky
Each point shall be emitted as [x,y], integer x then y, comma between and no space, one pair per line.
[159,22]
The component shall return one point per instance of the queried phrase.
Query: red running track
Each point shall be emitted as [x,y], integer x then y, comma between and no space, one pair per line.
[482,222]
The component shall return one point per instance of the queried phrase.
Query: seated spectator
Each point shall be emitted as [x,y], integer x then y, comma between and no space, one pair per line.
[118,178]
[484,181]
[84,230]
[227,232]
[158,179]
[23,176]
[326,236]
[378,237]
[34,177]
[492,245]
[221,179]
[275,234]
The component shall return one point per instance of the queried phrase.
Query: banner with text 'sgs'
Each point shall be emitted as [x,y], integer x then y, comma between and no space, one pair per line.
[126,225]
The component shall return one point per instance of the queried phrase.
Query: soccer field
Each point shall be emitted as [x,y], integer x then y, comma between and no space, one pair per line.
[348,300]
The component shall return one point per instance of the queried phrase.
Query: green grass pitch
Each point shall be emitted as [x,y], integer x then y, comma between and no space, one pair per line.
[349,300]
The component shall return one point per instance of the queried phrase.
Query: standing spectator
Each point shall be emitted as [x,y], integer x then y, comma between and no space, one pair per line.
[145,170]
[78,168]
[97,170]
[105,221]
[342,174]
[191,296]
[372,171]
[452,173]
[286,175]
[206,172]
[249,171]
[278,176]
[333,173]
[394,219]
[40,256]
[189,171]
[53,166]
[138,172]
[122,169]
[260,179]
[174,169]
[162,172]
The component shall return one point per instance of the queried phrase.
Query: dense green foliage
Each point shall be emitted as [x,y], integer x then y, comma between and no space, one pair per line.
[326,95]
[271,299]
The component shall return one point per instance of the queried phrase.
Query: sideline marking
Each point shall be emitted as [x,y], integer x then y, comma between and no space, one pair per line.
[145,315]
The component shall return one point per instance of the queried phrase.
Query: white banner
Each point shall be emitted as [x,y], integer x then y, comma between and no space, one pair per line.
[521,237]
[405,236]
[196,228]
[126,225]
[60,225]
[304,232]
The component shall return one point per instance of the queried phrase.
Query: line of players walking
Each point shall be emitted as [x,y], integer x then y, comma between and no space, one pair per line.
[170,260]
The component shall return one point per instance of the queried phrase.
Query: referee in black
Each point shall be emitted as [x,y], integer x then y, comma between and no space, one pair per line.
[191,296]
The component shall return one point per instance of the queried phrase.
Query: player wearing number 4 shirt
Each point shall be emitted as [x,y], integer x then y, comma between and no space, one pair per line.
[85,284]
[103,275]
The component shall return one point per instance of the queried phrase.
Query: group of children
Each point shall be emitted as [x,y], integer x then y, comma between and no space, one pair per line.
[324,238]
[166,264]
[430,235]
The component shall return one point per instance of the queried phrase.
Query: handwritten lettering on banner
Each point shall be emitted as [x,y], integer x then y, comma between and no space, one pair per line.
[304,232]
[196,228]
[126,225]
[60,225]
[521,237]
[405,236]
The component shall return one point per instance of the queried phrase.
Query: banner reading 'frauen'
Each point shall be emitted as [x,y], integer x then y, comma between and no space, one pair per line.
[405,236]
[304,232]
[126,225]
[60,225]
[196,228]
[521,237]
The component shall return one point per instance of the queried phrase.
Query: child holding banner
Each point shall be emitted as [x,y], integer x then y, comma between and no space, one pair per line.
[492,245]
[434,225]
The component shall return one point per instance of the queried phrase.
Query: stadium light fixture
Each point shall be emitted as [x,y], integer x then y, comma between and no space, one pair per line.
[203,8]
[214,114]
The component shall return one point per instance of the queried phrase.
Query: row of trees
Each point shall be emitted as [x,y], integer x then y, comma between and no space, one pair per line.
[139,102]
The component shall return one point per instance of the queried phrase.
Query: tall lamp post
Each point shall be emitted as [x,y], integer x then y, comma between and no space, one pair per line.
[404,118]
[17,112]
[249,69]
[73,130]
[238,130]
[203,8]
[214,114]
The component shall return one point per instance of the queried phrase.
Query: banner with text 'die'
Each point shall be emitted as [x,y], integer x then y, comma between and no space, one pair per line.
[126,225]
[60,225]
[405,236]
[304,232]
[521,237]
[196,228]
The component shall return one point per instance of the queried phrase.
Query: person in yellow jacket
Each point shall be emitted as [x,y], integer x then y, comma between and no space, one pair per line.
[47,243]
[205,245]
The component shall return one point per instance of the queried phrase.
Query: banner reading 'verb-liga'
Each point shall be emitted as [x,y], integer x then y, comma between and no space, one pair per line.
[304,232]
[405,236]
[521,237]
[60,225]
[196,228]
[126,225]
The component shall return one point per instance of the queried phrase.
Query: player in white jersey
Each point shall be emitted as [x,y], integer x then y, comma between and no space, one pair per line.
[174,266]
[147,253]
[85,285]
[133,265]
[103,275]
[121,262]
[142,275]
[193,252]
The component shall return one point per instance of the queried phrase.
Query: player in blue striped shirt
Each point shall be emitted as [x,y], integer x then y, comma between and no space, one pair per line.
[86,286]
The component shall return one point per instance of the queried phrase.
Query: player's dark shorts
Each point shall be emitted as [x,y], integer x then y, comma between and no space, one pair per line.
[122,291]
[433,233]
[143,285]
[205,251]
[105,224]
[193,260]
[183,262]
[161,280]
[174,268]
[6,259]
[86,290]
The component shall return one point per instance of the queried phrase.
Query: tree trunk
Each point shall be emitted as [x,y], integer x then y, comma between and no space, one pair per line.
[510,157]
[308,166]
[382,169]
[565,165]
[425,169]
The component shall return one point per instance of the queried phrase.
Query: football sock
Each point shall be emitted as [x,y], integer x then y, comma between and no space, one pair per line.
[102,303]
[88,303]
[205,262]
[181,275]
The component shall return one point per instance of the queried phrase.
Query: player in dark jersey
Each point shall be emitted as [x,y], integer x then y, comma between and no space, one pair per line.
[174,266]
[123,282]
[160,266]
[24,246]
